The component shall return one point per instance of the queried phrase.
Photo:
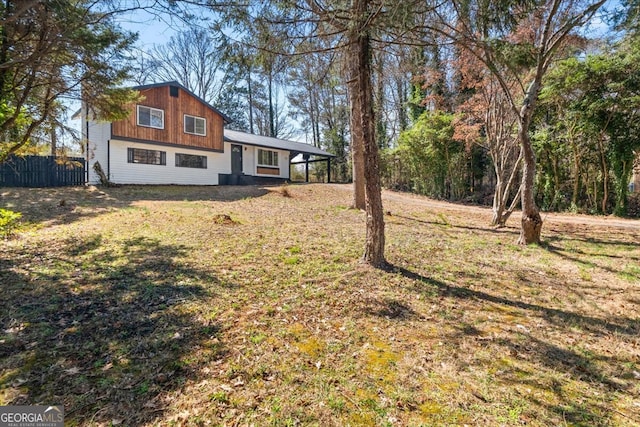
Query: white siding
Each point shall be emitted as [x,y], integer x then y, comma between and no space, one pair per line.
[123,172]
[248,159]
[112,155]
[283,162]
[97,141]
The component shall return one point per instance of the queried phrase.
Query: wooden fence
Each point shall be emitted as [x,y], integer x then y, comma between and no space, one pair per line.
[42,171]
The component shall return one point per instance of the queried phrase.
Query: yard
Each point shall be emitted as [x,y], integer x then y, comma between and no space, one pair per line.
[247,306]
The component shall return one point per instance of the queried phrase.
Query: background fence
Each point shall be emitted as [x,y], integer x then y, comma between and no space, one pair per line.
[42,171]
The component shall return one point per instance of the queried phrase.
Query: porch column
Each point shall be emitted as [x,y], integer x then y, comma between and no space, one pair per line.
[328,170]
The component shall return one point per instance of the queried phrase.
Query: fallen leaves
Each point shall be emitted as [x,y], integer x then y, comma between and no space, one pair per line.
[240,306]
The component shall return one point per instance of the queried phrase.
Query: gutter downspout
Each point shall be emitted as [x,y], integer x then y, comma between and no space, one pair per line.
[109,159]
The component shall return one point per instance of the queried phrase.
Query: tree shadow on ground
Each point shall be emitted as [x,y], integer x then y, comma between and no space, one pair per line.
[601,371]
[573,256]
[501,230]
[105,330]
[66,205]
[606,235]
[614,324]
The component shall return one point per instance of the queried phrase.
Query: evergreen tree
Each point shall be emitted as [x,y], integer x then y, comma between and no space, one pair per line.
[50,50]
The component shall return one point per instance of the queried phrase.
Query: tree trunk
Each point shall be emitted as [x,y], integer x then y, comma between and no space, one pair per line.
[498,206]
[249,89]
[272,125]
[605,175]
[54,140]
[531,220]
[361,93]
[500,152]
[357,151]
[576,175]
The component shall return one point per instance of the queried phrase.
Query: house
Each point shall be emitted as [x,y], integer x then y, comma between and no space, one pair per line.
[174,137]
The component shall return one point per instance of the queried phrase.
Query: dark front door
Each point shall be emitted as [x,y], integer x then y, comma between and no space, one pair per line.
[236,159]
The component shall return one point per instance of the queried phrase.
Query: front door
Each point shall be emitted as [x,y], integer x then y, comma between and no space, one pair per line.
[236,159]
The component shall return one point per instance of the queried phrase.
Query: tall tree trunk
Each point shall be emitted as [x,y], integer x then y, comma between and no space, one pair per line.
[403,120]
[576,174]
[54,140]
[361,93]
[531,220]
[604,167]
[4,46]
[250,90]
[272,125]
[357,152]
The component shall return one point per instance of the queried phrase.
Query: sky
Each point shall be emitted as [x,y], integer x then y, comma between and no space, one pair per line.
[155,29]
[151,29]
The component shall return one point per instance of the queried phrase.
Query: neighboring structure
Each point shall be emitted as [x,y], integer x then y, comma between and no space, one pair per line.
[175,137]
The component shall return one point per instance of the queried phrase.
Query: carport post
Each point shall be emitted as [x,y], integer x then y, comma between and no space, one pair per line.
[306,167]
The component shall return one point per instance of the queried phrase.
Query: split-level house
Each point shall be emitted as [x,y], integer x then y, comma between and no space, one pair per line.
[174,137]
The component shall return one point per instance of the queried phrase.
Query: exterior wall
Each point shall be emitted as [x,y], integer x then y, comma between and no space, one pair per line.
[174,111]
[97,147]
[283,163]
[107,143]
[248,160]
[122,172]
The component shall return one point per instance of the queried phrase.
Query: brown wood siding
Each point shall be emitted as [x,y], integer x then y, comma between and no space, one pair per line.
[268,171]
[174,111]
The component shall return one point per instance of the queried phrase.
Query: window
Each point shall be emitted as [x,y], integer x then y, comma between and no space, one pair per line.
[195,125]
[267,158]
[150,117]
[148,157]
[191,161]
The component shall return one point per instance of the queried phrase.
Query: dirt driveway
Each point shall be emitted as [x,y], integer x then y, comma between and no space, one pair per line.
[547,217]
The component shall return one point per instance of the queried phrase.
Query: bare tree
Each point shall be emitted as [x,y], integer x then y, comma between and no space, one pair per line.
[505,36]
[351,28]
[193,59]
[55,50]
[489,121]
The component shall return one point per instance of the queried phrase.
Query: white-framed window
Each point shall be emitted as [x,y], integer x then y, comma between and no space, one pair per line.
[150,117]
[267,158]
[195,125]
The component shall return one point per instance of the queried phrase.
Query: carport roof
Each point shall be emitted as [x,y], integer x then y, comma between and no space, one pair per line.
[275,143]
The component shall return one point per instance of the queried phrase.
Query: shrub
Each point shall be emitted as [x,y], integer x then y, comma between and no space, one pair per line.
[9,221]
[633,208]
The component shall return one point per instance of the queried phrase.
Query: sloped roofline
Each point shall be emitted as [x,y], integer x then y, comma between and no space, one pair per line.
[269,142]
[226,118]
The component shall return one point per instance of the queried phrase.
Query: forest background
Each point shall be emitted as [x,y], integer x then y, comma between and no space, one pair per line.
[443,123]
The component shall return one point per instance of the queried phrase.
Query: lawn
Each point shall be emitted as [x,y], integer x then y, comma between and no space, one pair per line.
[248,306]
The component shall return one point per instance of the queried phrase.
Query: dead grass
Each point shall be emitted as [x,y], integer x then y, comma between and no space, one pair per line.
[238,306]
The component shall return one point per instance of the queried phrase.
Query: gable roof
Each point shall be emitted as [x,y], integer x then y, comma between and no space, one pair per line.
[268,142]
[226,118]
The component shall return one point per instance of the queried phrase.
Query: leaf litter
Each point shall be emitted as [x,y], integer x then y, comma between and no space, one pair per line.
[238,306]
